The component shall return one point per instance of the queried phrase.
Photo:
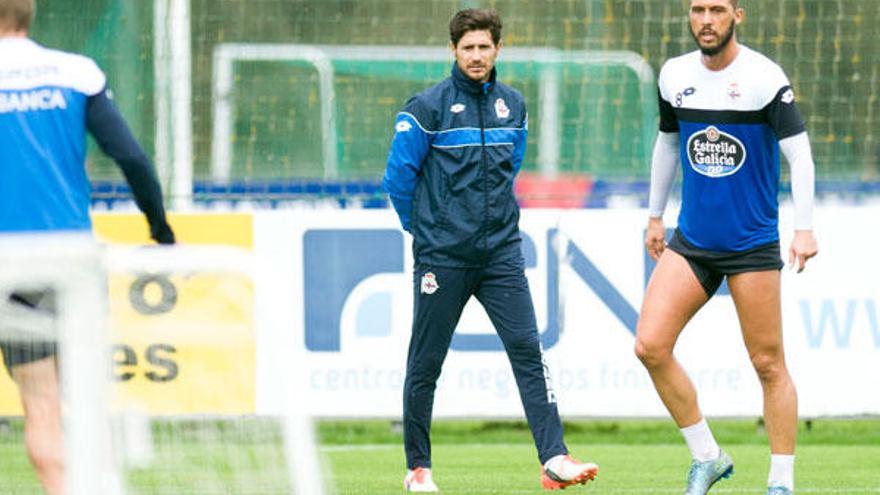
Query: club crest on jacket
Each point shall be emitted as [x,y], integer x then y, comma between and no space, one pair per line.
[501,109]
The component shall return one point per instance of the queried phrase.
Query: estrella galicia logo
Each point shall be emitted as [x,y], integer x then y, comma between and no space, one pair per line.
[715,153]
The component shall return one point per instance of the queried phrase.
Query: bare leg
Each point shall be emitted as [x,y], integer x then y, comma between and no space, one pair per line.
[40,396]
[757,299]
[672,298]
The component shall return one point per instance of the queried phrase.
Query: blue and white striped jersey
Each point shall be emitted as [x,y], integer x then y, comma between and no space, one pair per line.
[729,124]
[43,96]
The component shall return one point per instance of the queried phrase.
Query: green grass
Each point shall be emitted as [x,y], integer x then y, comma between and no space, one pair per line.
[513,469]
[632,432]
[635,456]
[479,457]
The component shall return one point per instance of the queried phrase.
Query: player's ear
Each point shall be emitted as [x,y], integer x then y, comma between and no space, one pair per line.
[739,15]
[452,48]
[498,46]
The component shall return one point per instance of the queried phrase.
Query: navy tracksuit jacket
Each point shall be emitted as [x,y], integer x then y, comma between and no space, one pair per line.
[456,150]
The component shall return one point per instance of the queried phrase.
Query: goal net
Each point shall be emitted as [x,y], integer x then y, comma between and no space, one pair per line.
[280,144]
[177,413]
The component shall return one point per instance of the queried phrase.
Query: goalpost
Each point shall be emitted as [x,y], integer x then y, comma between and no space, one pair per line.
[549,63]
[117,439]
[72,267]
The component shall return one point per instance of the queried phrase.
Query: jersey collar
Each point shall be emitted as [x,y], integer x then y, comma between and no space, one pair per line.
[465,83]
[16,42]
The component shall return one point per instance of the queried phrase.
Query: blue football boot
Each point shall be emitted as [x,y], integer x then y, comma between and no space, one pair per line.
[779,490]
[703,475]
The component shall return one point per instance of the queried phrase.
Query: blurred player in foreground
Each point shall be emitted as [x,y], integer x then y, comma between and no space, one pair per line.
[457,148]
[725,113]
[48,99]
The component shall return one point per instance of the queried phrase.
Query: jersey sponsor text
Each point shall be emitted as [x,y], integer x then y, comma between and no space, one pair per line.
[714,153]
[33,100]
[28,73]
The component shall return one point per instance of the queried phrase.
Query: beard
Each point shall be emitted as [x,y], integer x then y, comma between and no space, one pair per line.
[723,41]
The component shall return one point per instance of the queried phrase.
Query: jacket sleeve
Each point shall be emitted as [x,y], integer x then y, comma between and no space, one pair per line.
[519,144]
[409,148]
[111,132]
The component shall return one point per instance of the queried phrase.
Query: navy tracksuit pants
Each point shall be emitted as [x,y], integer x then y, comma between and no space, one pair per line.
[503,290]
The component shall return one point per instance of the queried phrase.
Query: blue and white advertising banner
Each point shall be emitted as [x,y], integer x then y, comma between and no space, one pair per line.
[334,307]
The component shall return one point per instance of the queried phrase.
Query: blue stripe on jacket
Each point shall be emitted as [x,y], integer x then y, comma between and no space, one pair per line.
[470,136]
[408,151]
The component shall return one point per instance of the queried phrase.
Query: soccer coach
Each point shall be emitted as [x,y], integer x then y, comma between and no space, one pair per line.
[456,150]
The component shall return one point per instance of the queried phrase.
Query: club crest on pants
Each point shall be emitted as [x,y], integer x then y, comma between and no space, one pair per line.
[429,283]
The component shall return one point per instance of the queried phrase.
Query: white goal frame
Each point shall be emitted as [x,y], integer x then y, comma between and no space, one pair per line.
[75,266]
[300,443]
[72,266]
[321,57]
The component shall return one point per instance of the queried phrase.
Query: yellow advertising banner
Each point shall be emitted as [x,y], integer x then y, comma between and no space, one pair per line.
[183,342]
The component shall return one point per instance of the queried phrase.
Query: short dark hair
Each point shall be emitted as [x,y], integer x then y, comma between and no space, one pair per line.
[734,4]
[474,20]
[16,15]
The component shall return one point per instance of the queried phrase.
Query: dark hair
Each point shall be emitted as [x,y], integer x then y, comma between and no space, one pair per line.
[474,20]
[734,4]
[16,15]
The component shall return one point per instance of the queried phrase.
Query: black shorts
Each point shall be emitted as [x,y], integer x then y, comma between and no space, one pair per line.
[22,352]
[711,267]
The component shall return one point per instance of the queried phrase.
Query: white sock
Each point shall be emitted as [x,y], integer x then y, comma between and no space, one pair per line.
[701,442]
[781,471]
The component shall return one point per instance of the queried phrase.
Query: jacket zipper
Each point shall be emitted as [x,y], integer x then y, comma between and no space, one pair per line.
[485,171]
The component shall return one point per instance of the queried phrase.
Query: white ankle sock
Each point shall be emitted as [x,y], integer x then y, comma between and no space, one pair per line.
[701,442]
[781,471]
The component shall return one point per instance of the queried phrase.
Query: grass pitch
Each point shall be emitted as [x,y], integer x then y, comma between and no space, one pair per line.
[480,469]
[478,457]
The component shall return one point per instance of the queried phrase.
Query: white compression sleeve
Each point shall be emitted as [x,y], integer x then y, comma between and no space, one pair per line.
[800,159]
[664,163]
